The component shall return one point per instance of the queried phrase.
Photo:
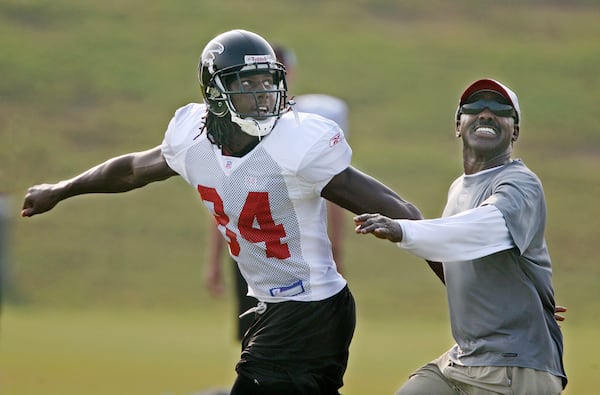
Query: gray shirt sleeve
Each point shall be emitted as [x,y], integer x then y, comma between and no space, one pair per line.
[522,204]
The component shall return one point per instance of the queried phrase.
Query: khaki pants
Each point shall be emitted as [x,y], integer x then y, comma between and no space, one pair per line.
[442,377]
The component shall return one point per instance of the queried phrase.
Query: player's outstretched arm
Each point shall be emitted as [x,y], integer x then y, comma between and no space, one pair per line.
[360,193]
[119,174]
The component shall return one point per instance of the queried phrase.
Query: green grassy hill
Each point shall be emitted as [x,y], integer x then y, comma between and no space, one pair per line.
[85,81]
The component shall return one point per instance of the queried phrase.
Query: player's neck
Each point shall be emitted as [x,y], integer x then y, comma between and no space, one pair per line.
[240,145]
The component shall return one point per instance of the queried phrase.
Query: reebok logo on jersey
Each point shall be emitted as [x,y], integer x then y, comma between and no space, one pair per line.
[250,181]
[335,139]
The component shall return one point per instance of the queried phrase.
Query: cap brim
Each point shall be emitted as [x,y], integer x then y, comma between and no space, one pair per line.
[491,85]
[482,85]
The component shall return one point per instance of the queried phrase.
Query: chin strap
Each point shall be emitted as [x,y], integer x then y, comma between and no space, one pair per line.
[291,103]
[253,127]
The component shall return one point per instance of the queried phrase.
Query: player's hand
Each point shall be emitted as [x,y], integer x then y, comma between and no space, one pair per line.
[557,310]
[40,198]
[380,226]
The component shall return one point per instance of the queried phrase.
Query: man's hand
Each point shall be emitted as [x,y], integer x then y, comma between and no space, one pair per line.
[380,226]
[559,309]
[214,280]
[41,198]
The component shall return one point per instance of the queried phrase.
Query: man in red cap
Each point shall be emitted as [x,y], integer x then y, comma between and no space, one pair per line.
[497,269]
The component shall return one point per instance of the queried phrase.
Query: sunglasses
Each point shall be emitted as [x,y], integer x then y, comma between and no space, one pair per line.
[476,107]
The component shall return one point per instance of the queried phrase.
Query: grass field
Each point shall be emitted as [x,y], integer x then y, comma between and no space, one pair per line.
[106,292]
[180,352]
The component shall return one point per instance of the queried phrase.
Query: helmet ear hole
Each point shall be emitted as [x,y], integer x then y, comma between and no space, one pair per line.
[221,106]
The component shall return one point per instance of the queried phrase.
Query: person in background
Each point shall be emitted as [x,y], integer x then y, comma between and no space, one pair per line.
[327,106]
[264,171]
[496,264]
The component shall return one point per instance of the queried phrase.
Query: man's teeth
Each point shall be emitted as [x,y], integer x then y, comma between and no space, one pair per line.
[486,130]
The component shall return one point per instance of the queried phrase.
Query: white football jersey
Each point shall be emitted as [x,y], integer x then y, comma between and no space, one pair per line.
[267,204]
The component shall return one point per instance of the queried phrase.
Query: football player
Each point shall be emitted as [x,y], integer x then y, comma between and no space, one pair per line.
[264,171]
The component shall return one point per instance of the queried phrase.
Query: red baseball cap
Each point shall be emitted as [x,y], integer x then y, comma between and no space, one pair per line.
[487,84]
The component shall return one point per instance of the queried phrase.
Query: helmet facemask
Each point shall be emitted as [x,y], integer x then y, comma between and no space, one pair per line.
[263,98]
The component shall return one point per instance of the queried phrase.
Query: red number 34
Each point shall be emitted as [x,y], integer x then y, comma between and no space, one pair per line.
[256,208]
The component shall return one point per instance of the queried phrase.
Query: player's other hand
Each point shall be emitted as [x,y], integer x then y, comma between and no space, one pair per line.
[39,199]
[379,225]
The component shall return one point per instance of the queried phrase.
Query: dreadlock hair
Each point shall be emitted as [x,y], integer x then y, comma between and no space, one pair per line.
[220,130]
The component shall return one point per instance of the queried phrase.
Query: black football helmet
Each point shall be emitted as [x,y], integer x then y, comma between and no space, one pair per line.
[227,57]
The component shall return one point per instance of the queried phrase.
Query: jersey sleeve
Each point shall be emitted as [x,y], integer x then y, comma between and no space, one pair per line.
[183,129]
[328,156]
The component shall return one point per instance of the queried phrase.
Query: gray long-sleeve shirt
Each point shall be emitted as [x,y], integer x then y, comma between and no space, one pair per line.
[498,275]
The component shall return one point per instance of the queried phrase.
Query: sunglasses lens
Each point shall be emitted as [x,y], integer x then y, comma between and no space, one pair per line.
[502,110]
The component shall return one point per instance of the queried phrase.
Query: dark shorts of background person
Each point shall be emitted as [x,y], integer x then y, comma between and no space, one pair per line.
[244,302]
[298,348]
